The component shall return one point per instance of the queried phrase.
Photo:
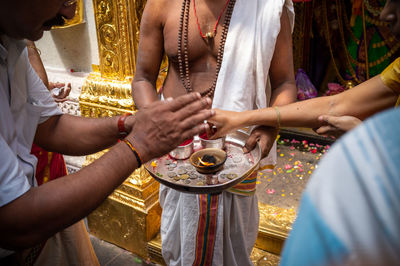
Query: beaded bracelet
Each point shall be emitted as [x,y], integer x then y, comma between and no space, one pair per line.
[138,158]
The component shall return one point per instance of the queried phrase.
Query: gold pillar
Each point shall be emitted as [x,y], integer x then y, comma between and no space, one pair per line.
[130,217]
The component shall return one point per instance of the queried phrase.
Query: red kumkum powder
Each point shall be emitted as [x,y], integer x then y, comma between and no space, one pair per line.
[203,136]
[186,142]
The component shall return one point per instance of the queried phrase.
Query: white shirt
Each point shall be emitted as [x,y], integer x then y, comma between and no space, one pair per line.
[24,103]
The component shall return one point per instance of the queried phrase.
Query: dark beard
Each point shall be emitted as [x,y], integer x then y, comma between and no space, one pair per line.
[56,21]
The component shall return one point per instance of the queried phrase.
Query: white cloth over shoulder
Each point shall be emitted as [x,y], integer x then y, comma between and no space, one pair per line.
[243,82]
[242,85]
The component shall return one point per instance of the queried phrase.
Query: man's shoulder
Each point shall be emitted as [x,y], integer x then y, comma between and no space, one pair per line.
[159,5]
[156,10]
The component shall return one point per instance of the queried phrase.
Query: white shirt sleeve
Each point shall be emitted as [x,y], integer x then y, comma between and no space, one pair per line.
[40,95]
[13,182]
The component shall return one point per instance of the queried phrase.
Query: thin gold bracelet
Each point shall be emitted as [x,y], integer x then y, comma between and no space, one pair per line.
[35,48]
[278,116]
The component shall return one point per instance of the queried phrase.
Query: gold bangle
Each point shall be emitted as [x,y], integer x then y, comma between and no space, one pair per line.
[35,48]
[278,117]
[138,158]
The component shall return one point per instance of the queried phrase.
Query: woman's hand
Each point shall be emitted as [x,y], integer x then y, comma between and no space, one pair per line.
[336,126]
[222,123]
[59,91]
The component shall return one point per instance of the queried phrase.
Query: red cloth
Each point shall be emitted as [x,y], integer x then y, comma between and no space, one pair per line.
[50,165]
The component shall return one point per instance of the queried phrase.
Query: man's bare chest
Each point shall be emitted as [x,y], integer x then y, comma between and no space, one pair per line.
[190,37]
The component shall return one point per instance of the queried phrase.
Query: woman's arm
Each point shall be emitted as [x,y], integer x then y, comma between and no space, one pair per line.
[361,101]
[283,87]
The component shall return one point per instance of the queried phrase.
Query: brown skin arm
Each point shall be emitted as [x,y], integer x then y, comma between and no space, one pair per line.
[282,83]
[37,65]
[77,136]
[362,101]
[64,201]
[150,54]
[36,62]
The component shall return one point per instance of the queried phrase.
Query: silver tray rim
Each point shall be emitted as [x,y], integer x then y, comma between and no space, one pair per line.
[239,138]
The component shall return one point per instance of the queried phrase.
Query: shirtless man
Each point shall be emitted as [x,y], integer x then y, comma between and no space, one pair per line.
[163,29]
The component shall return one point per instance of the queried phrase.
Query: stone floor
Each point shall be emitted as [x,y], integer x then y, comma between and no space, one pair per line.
[111,255]
[297,158]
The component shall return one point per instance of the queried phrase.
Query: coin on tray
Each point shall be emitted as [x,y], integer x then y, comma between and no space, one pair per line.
[171,174]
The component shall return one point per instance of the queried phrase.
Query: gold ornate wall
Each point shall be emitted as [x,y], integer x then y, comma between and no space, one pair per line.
[130,217]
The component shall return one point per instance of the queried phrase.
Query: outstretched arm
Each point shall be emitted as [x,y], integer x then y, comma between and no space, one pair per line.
[361,101]
[149,56]
[64,201]
[72,135]
[282,85]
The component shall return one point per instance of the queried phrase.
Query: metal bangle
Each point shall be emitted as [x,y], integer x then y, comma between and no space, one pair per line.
[278,117]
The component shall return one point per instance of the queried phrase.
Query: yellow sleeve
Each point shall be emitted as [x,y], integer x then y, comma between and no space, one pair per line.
[391,75]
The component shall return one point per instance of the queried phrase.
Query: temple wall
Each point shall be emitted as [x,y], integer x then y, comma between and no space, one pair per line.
[72,48]
[68,55]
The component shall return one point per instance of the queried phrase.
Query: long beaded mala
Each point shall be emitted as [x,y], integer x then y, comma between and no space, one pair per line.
[183,50]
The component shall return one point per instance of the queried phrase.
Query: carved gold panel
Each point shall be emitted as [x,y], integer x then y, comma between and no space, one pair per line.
[117,23]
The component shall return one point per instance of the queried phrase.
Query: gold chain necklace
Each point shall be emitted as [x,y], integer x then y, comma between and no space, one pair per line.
[183,47]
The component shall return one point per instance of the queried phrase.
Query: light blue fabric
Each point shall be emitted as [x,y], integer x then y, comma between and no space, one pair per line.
[315,243]
[354,195]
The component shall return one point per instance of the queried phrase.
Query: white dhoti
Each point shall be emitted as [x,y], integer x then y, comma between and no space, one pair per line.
[222,229]
[207,229]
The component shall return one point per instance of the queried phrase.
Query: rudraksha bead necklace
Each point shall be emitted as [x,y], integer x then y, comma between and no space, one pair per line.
[183,50]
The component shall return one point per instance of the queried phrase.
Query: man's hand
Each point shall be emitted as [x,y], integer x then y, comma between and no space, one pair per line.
[265,136]
[163,125]
[59,91]
[336,126]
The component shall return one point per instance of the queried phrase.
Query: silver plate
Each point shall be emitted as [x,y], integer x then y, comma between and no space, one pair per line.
[182,176]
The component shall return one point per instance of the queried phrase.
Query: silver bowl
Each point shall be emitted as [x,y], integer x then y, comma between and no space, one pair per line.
[182,152]
[213,143]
